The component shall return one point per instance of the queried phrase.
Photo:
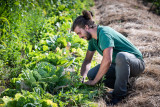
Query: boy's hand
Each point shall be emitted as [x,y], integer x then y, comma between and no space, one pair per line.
[90,82]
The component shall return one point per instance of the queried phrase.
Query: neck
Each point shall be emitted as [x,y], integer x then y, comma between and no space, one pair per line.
[93,33]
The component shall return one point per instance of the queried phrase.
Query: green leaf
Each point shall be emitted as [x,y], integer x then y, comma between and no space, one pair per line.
[45,48]
[9,92]
[37,76]
[59,71]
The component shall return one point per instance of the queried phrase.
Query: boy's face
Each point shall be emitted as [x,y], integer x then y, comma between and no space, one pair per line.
[82,33]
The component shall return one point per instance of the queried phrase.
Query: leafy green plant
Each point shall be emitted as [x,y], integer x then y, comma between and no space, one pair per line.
[39,57]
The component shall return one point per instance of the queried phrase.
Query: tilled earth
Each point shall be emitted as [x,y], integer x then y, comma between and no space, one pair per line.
[142,28]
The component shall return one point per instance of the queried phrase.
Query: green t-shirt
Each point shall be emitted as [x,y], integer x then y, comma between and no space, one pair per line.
[108,37]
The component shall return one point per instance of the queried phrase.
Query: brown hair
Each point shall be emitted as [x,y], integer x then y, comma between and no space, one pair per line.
[84,19]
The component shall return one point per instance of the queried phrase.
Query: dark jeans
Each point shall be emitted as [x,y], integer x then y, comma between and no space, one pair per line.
[126,65]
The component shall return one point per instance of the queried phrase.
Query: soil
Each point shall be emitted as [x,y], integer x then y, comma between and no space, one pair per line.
[133,19]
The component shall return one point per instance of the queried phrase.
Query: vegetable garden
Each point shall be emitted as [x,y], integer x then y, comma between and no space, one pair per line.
[40,58]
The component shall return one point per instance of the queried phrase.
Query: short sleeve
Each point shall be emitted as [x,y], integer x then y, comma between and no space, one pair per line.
[91,45]
[106,41]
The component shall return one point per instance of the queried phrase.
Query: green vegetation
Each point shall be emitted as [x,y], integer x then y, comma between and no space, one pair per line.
[39,58]
[156,4]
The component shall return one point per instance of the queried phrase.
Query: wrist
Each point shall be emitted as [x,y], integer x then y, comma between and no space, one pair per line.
[84,76]
[94,82]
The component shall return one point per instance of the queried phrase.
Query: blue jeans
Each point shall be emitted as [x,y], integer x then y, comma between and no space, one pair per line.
[126,65]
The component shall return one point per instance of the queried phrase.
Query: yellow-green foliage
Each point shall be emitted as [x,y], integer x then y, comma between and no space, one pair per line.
[48,103]
[61,42]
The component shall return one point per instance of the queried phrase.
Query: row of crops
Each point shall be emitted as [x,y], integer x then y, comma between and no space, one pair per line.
[40,58]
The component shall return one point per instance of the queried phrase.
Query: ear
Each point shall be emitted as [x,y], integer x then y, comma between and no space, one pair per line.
[86,27]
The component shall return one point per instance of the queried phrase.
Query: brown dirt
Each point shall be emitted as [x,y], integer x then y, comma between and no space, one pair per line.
[142,28]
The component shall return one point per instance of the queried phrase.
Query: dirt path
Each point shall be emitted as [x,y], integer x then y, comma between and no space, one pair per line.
[142,28]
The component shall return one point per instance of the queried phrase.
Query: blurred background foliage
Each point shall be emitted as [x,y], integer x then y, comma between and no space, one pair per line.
[155,5]
[26,25]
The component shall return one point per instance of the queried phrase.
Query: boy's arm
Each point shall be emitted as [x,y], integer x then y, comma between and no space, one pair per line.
[105,64]
[87,63]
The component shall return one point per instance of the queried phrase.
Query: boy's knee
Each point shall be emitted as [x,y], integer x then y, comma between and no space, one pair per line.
[121,57]
[93,72]
[90,76]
